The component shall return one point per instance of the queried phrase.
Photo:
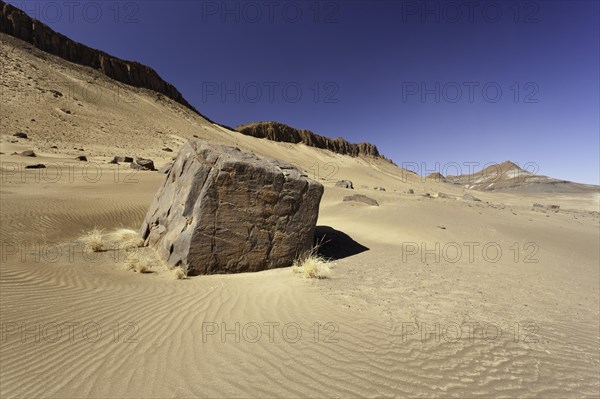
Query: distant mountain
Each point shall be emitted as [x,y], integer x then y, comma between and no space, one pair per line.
[509,177]
[279,132]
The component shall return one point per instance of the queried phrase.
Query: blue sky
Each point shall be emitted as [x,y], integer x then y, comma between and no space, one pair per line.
[426,81]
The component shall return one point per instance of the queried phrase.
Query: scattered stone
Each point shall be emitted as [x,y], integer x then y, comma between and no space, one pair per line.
[121,159]
[166,168]
[167,149]
[442,227]
[56,93]
[344,184]
[36,166]
[82,158]
[28,153]
[361,198]
[379,188]
[427,195]
[54,147]
[143,164]
[81,149]
[469,197]
[20,135]
[195,135]
[410,191]
[227,211]
[542,208]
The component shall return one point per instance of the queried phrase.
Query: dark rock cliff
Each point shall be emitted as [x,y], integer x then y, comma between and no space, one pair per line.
[279,132]
[16,23]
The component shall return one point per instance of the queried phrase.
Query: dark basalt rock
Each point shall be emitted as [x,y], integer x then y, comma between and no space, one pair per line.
[279,132]
[221,210]
[16,23]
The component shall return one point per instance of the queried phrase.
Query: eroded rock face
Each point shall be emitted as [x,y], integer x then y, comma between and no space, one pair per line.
[279,132]
[221,210]
[20,25]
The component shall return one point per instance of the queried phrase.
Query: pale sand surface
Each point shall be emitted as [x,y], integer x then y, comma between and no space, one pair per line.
[375,302]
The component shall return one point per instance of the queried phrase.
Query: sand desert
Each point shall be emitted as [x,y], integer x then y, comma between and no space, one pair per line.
[433,289]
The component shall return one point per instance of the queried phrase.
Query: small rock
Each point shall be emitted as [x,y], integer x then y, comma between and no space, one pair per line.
[82,158]
[442,227]
[28,153]
[469,197]
[361,198]
[143,164]
[379,188]
[410,191]
[36,166]
[167,149]
[20,135]
[54,147]
[344,184]
[121,159]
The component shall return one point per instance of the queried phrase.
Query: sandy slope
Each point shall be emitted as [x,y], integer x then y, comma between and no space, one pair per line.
[371,312]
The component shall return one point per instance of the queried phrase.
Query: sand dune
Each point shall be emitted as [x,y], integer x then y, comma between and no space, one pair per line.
[370,314]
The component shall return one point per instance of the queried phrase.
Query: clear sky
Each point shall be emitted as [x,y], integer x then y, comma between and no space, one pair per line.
[426,81]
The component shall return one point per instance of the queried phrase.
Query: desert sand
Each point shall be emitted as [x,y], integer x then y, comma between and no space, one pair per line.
[392,321]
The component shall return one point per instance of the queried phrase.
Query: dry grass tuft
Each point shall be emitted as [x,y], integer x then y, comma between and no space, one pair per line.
[127,239]
[138,264]
[312,265]
[93,240]
[178,273]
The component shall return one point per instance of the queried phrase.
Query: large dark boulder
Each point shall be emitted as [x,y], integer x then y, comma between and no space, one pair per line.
[221,210]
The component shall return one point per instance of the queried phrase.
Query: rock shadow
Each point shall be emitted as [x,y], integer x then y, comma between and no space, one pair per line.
[335,244]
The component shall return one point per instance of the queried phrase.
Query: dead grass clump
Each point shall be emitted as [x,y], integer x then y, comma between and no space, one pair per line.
[138,264]
[178,273]
[312,265]
[93,240]
[127,239]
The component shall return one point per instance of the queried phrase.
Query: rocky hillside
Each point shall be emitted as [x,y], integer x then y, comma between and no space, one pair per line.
[20,25]
[279,132]
[508,176]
